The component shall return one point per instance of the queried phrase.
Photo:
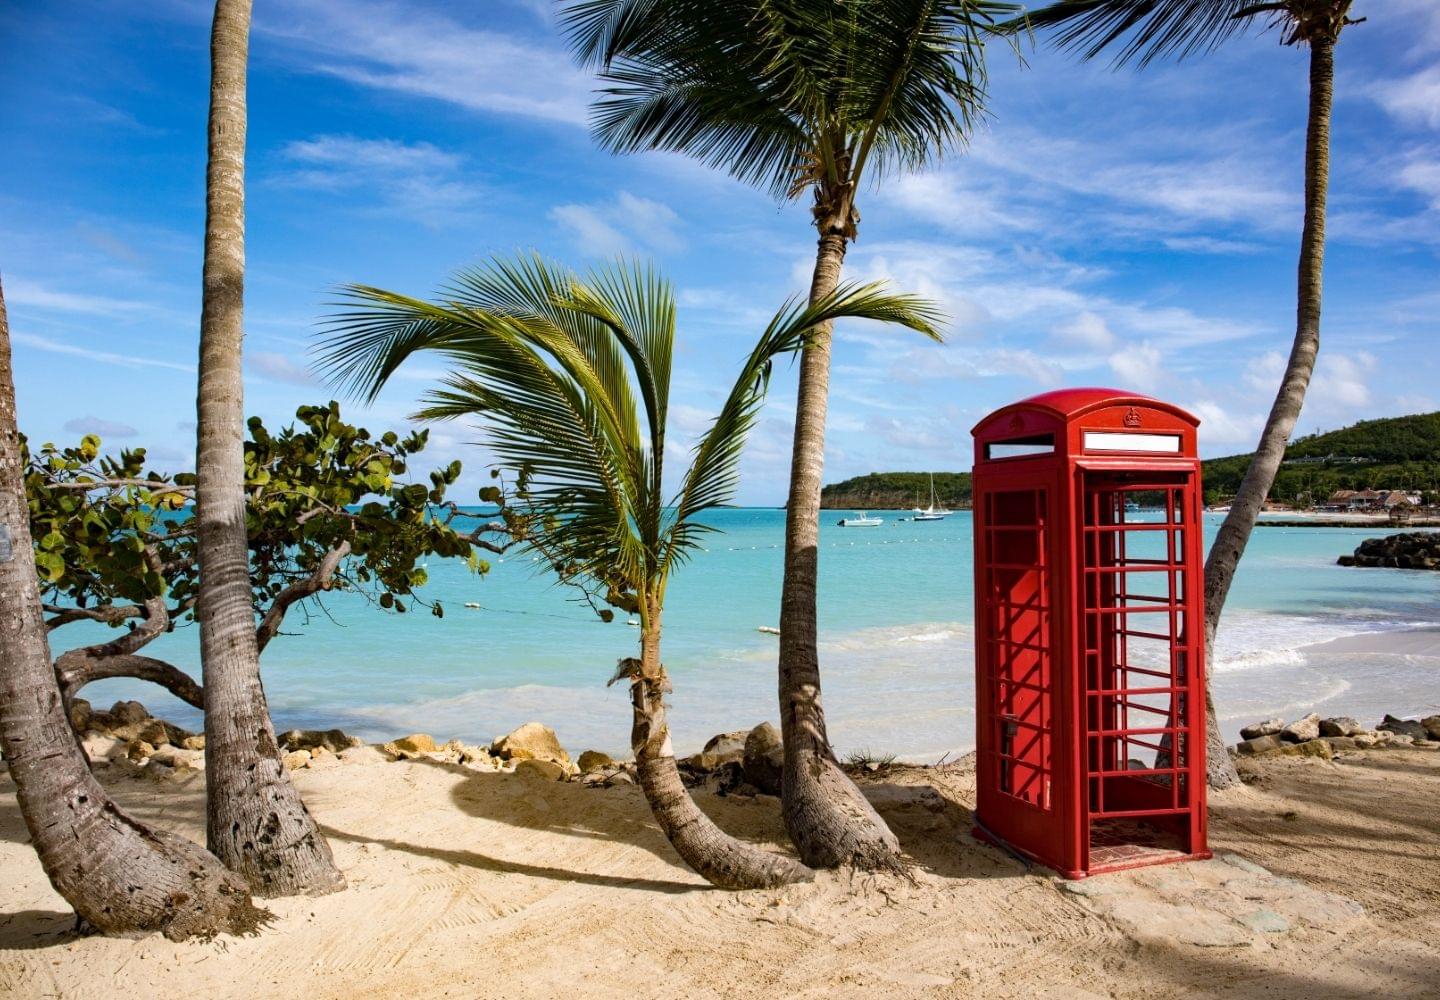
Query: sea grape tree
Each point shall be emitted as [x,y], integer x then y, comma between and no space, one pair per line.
[328,508]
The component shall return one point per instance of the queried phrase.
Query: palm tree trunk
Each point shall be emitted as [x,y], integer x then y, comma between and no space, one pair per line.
[1234,534]
[256,823]
[715,855]
[829,820]
[121,877]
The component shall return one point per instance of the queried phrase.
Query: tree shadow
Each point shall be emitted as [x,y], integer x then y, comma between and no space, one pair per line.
[30,930]
[474,859]
[605,814]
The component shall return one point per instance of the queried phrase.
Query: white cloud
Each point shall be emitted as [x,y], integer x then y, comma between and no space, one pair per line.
[1088,329]
[24,293]
[620,226]
[1414,99]
[402,47]
[102,357]
[1221,424]
[279,368]
[1138,366]
[90,424]
[417,180]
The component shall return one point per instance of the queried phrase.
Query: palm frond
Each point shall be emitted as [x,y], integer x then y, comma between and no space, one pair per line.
[777,92]
[1146,30]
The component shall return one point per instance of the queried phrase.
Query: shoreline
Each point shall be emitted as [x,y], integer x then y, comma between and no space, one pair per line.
[1325,882]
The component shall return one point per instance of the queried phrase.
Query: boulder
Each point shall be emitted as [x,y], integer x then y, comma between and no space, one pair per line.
[128,712]
[320,758]
[593,760]
[531,741]
[764,758]
[1310,748]
[1340,725]
[153,731]
[1404,727]
[1259,744]
[193,743]
[1302,730]
[80,713]
[138,750]
[621,778]
[410,747]
[726,748]
[1266,728]
[101,746]
[1432,726]
[296,759]
[1341,742]
[535,769]
[333,740]
[176,757]
[476,756]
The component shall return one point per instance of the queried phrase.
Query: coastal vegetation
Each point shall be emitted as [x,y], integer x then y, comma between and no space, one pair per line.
[800,99]
[569,377]
[326,510]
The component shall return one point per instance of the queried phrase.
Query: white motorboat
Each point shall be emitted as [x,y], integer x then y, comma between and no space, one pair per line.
[863,521]
[933,512]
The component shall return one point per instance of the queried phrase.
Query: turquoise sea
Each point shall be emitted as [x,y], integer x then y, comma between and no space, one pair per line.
[896,625]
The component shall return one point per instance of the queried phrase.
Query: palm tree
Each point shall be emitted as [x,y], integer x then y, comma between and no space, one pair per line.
[121,877]
[256,823]
[1155,28]
[572,381]
[796,97]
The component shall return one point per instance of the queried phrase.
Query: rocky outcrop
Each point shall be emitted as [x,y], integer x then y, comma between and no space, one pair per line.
[531,741]
[333,740]
[1266,728]
[1409,550]
[764,759]
[1313,736]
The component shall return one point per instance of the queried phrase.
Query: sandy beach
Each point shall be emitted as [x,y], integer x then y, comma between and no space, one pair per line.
[1326,883]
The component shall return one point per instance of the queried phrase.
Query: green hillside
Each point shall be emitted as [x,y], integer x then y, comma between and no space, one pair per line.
[897,491]
[1391,453]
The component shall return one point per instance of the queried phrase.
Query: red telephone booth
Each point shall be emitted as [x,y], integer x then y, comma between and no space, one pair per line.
[1089,620]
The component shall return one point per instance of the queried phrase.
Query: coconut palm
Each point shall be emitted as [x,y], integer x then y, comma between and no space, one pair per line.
[120,876]
[1146,30]
[571,380]
[797,97]
[255,821]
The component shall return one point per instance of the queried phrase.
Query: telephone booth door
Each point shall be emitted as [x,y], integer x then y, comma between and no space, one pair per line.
[1139,629]
[1016,548]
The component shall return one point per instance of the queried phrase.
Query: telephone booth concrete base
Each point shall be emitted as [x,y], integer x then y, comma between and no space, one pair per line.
[1089,618]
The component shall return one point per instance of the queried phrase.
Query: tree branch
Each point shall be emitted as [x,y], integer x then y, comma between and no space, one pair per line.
[79,667]
[317,581]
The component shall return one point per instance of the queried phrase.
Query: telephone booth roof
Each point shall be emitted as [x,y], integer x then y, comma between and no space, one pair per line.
[1087,420]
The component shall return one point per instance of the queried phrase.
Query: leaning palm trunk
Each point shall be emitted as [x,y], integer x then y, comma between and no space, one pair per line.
[718,857]
[1234,534]
[256,823]
[121,877]
[827,817]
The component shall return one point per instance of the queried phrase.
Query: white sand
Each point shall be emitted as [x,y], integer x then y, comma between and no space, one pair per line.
[1409,642]
[470,884]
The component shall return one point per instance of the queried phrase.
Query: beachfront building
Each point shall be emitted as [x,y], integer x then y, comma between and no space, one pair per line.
[1376,500]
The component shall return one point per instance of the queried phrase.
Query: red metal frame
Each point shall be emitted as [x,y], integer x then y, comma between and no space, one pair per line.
[1089,634]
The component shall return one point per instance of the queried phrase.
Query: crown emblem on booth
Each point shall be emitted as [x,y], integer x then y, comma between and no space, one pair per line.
[1132,417]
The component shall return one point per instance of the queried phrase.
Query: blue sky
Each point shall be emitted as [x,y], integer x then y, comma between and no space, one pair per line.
[1133,229]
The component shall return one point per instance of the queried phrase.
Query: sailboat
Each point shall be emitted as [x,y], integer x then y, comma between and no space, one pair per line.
[931,513]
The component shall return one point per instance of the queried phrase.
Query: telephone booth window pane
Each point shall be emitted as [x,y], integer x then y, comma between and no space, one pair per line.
[1018,585]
